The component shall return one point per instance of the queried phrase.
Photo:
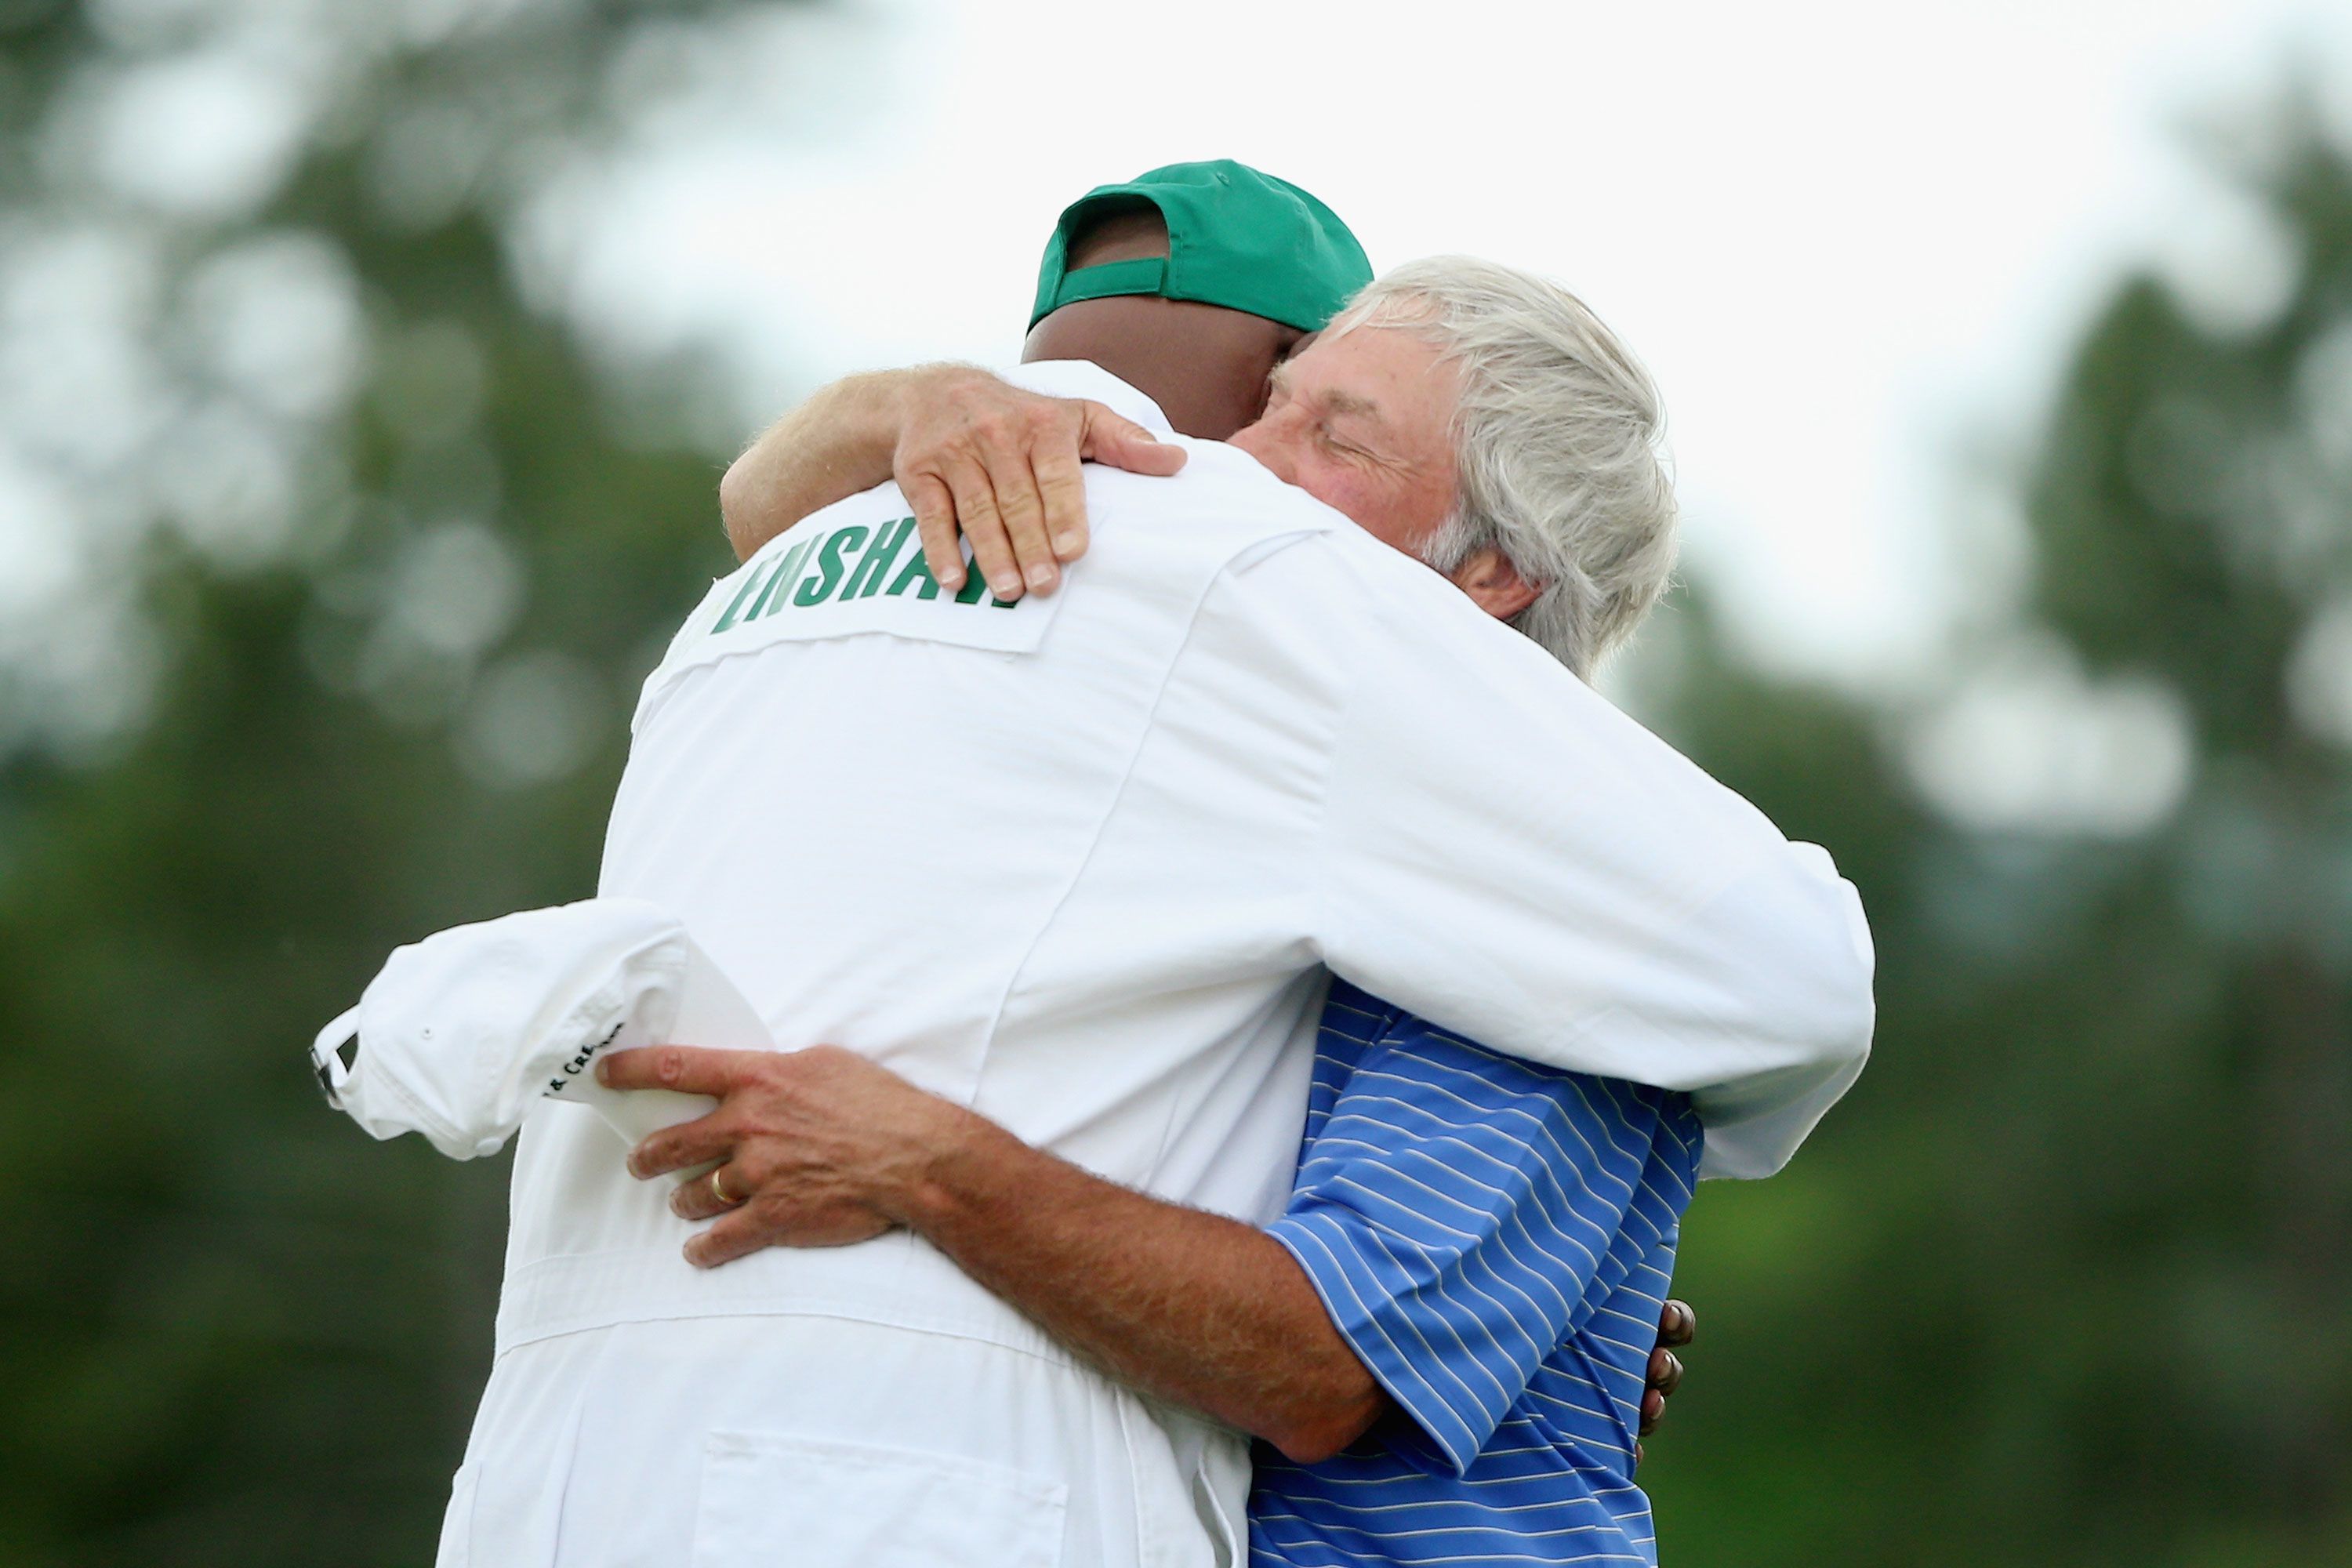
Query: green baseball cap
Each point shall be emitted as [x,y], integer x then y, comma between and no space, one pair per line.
[1236,238]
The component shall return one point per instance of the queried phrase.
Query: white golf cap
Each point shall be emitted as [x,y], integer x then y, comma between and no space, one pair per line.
[463,1031]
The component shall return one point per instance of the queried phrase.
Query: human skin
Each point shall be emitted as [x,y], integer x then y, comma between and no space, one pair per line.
[1004,473]
[1192,1306]
[1360,419]
[973,463]
[1195,1306]
[1204,365]
[821,1147]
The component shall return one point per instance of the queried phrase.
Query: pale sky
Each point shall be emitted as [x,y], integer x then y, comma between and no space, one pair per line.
[1852,241]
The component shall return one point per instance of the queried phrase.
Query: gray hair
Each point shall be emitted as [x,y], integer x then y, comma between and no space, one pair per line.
[1558,445]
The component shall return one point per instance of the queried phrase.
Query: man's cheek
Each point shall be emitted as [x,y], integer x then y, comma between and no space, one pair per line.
[1332,488]
[1358,501]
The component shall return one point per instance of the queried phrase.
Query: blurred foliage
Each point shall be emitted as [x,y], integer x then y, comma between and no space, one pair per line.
[387,659]
[2064,1281]
[366,577]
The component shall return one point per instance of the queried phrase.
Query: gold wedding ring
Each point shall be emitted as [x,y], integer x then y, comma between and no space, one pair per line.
[719,1192]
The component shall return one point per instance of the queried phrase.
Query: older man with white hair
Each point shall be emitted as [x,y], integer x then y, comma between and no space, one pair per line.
[1070,866]
[1555,463]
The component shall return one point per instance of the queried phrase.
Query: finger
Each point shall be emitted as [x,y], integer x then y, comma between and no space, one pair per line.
[1638,1452]
[1014,478]
[1062,482]
[689,1070]
[738,1234]
[1653,1410]
[1665,1372]
[935,517]
[721,1189]
[975,507]
[1677,1324]
[682,1147]
[1120,442]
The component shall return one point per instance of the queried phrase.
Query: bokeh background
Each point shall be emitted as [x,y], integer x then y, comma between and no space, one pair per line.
[365,376]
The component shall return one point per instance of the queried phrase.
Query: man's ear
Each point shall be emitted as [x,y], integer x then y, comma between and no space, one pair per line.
[1494,584]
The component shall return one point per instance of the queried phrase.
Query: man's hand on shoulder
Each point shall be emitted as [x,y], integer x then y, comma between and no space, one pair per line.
[975,455]
[999,464]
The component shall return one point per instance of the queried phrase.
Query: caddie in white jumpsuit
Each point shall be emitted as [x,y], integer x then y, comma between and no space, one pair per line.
[1077,862]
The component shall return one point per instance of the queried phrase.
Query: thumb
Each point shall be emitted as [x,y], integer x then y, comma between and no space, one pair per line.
[1120,442]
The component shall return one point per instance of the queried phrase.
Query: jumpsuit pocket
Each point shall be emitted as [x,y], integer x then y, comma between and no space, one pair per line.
[770,1500]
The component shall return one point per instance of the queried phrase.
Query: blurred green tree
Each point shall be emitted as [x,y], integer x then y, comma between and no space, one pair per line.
[367,581]
[2064,1281]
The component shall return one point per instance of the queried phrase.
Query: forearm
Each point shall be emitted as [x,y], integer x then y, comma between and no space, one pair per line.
[1192,1307]
[838,443]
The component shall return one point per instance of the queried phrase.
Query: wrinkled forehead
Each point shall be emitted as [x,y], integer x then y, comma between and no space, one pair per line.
[1382,378]
[1333,393]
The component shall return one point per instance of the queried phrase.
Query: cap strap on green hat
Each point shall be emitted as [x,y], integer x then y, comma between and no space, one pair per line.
[1147,275]
[1237,237]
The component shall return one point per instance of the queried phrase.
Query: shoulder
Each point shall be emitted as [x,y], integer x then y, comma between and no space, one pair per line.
[1293,562]
[1217,483]
[1417,639]
[1221,512]
[1438,682]
[1085,379]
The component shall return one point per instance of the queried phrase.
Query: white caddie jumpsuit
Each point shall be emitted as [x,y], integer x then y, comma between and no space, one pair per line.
[1078,863]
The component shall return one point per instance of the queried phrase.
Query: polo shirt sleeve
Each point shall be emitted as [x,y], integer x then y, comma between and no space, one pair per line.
[1455,1212]
[1506,854]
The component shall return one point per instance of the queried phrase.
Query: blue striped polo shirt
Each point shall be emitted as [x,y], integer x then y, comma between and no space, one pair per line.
[1494,1238]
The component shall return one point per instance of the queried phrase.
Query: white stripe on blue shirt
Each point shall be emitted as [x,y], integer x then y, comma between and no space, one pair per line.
[1494,1239]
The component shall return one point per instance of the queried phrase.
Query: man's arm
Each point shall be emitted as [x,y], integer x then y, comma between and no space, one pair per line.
[1446,1230]
[1194,1307]
[1508,854]
[835,445]
[971,452]
[821,1145]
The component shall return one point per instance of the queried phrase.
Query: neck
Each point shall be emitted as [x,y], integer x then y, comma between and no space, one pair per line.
[1204,365]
